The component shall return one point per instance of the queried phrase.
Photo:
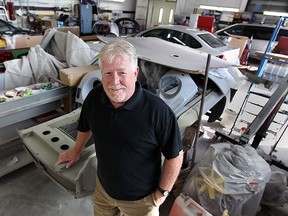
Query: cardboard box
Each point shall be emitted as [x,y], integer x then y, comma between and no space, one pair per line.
[26,41]
[197,11]
[73,29]
[50,23]
[238,41]
[73,76]
[237,15]
[89,37]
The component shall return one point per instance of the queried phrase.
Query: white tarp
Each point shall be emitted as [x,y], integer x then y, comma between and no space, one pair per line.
[58,50]
[67,47]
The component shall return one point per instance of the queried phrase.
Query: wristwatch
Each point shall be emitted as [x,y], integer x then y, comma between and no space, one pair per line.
[164,192]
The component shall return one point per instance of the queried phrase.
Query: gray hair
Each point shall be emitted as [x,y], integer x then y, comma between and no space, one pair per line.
[116,48]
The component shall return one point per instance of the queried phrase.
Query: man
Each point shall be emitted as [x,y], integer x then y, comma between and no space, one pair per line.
[130,127]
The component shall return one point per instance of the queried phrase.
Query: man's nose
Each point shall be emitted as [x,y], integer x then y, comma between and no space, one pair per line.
[115,78]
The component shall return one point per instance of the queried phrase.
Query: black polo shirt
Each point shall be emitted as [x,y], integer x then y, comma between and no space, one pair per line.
[129,141]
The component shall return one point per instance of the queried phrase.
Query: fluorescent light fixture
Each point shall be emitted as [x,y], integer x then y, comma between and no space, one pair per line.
[218,8]
[274,13]
[160,15]
[116,0]
[171,15]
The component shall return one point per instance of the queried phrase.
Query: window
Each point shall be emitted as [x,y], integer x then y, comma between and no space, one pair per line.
[211,40]
[261,33]
[159,33]
[176,37]
[191,42]
[236,30]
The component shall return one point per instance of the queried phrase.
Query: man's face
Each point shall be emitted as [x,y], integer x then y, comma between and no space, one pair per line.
[118,79]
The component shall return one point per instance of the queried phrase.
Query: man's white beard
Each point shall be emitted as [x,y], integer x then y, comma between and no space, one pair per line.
[118,96]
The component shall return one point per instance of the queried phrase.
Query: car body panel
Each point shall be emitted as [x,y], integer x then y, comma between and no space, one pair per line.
[171,55]
[46,141]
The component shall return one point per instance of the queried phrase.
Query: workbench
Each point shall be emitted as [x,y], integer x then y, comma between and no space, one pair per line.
[19,114]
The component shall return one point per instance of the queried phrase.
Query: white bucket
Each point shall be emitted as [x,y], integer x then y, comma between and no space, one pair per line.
[229,117]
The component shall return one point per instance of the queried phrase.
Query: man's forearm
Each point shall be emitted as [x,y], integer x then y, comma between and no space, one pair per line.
[81,139]
[171,170]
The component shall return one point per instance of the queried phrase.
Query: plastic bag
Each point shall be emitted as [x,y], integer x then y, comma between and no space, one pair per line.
[276,193]
[228,177]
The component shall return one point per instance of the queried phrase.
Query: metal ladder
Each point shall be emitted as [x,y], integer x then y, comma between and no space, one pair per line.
[273,105]
[265,113]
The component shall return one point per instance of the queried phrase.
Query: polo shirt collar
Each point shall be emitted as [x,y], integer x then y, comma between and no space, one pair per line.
[131,104]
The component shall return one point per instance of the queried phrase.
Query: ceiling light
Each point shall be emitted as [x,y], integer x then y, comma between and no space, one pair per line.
[219,8]
[274,13]
[116,0]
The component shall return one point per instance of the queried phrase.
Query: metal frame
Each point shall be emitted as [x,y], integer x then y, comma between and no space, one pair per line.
[269,47]
[262,121]
[271,107]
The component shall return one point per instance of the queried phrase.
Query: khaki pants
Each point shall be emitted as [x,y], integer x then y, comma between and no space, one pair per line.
[104,205]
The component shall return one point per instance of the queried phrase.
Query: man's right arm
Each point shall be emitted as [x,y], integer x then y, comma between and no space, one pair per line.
[72,156]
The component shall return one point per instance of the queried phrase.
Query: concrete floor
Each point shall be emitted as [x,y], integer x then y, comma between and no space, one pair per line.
[28,192]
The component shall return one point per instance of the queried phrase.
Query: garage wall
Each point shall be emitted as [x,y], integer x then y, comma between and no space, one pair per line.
[44,3]
[186,7]
[127,5]
[153,12]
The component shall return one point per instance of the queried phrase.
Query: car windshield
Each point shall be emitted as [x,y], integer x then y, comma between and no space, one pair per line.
[211,40]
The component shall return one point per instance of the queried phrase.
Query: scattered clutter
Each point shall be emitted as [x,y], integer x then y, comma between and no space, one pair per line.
[228,177]
[276,191]
[58,50]
[186,206]
[21,92]
[49,67]
[72,76]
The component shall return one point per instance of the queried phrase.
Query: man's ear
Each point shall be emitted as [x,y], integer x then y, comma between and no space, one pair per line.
[136,71]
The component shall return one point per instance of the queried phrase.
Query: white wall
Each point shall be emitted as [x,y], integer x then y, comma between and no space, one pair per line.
[127,5]
[186,7]
[43,3]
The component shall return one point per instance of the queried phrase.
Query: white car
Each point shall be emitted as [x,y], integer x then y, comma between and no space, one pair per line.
[259,33]
[197,39]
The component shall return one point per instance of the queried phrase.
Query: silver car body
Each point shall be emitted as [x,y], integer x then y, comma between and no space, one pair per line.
[200,40]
